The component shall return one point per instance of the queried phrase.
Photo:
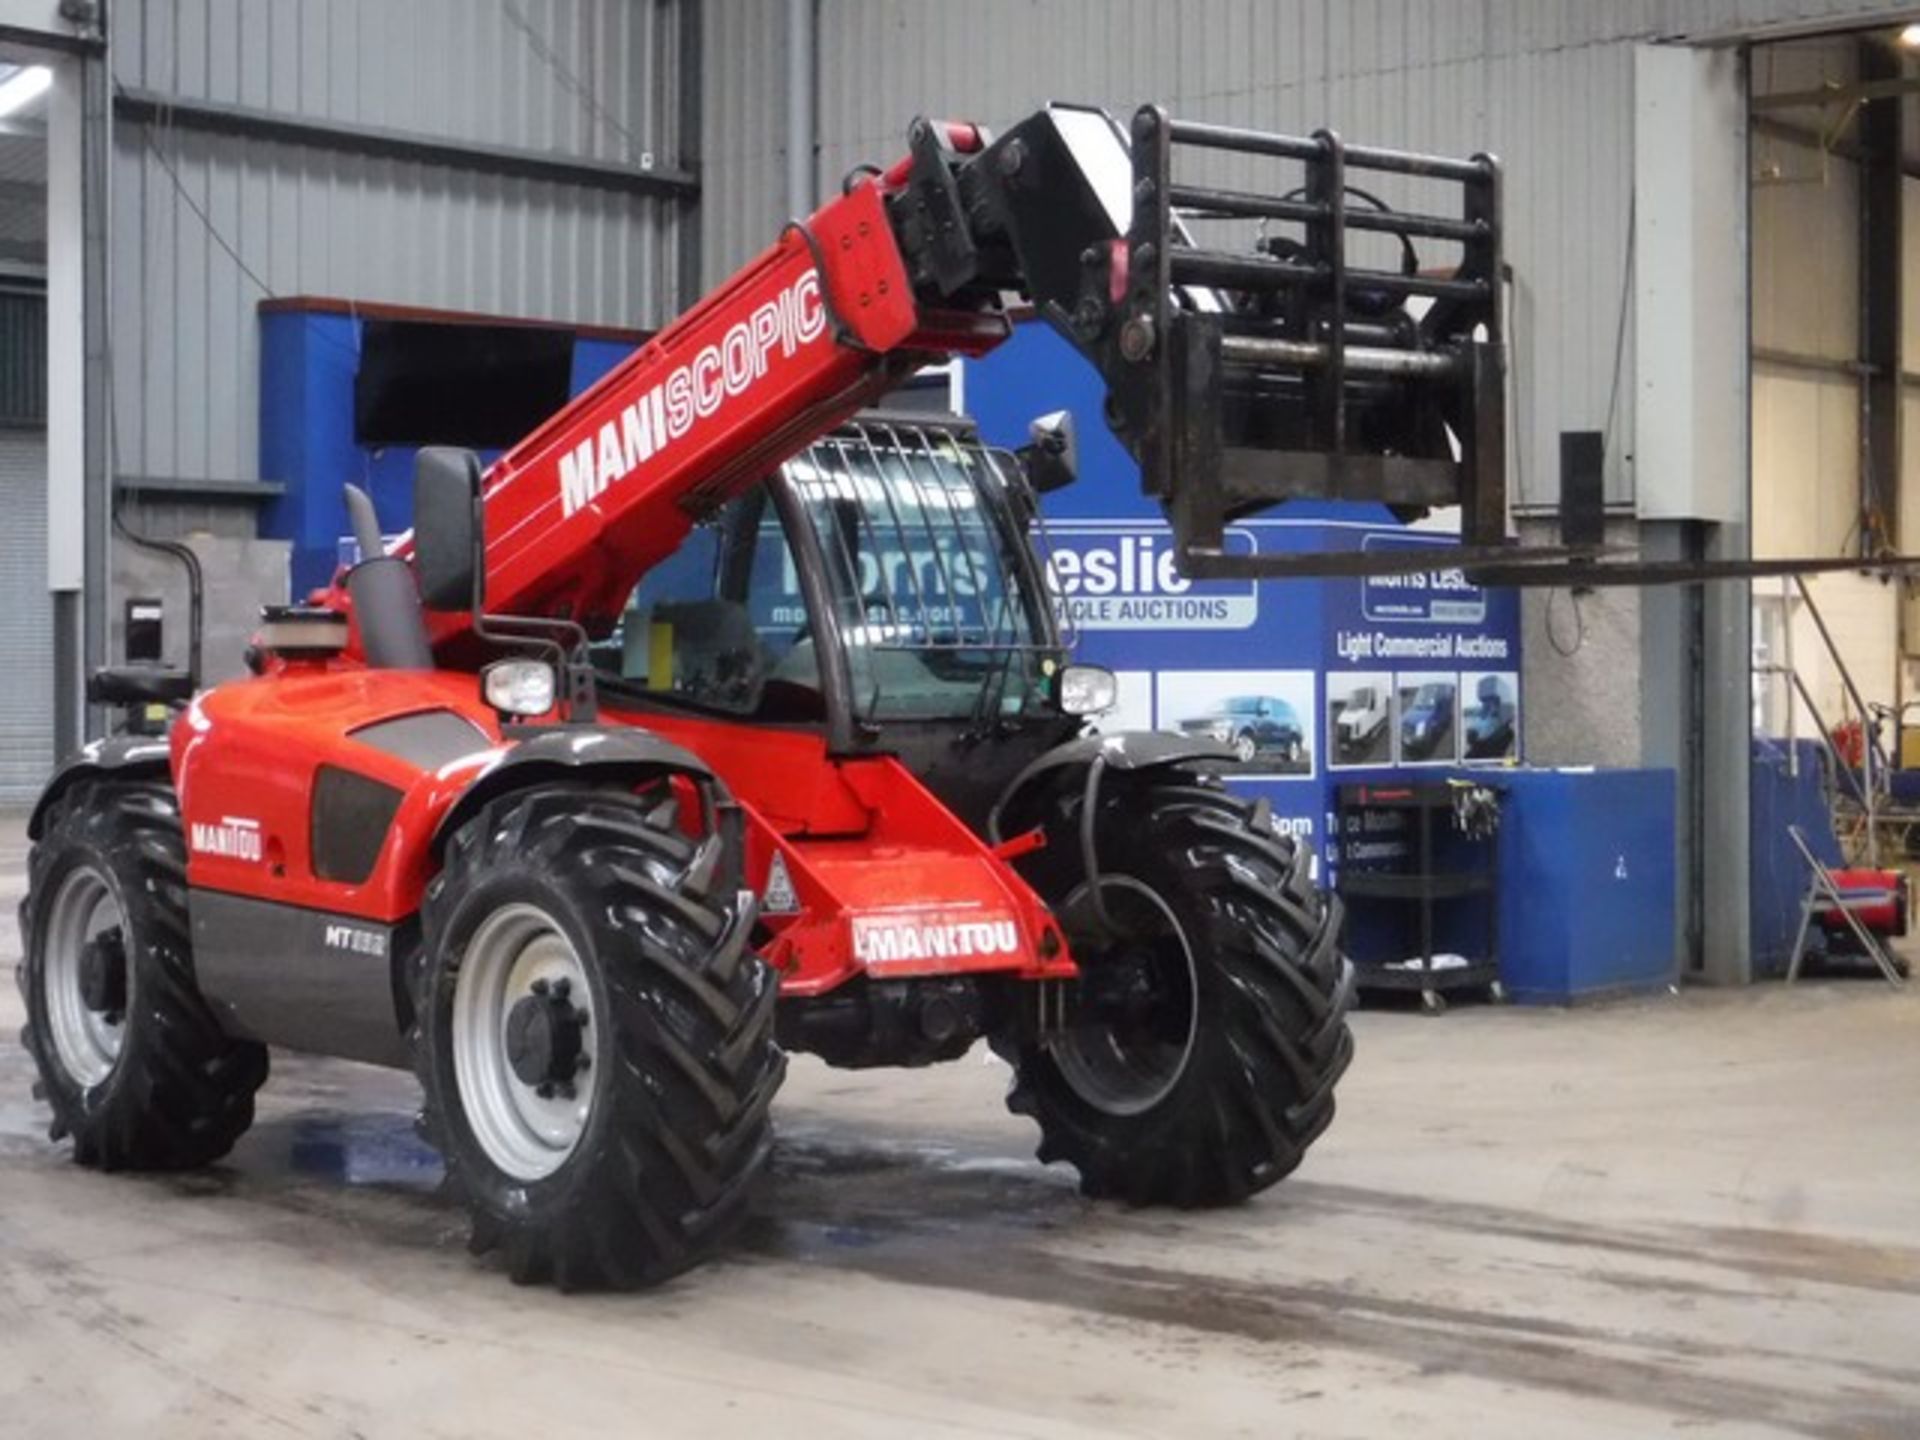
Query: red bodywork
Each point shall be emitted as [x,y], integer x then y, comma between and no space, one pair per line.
[888,881]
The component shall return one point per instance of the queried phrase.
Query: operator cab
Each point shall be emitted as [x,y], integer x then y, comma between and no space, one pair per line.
[888,563]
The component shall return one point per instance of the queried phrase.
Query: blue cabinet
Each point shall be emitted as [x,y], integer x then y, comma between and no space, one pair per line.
[1587,883]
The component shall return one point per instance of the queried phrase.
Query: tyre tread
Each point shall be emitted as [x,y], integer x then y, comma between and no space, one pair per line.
[697,1069]
[185,1092]
[1261,1088]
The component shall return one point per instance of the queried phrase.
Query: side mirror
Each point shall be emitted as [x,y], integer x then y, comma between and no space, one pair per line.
[447,538]
[1052,458]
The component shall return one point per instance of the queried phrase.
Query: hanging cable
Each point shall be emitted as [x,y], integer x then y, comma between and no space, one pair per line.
[1579,624]
[1620,335]
[186,196]
[572,83]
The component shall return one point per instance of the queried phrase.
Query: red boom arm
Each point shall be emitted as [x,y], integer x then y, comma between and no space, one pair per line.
[813,329]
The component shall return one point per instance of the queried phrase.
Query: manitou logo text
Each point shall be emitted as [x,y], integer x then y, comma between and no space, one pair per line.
[235,837]
[355,940]
[896,942]
[695,390]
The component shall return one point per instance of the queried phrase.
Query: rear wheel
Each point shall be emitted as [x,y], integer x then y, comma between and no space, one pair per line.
[1201,1051]
[595,1038]
[131,1059]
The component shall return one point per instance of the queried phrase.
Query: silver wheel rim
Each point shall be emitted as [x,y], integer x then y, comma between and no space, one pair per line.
[87,1042]
[1245,749]
[1111,1072]
[526,1134]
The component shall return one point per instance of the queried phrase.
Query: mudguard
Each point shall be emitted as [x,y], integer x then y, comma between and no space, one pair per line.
[568,752]
[123,755]
[1127,750]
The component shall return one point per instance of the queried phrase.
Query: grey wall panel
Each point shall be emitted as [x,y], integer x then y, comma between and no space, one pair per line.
[309,220]
[579,77]
[743,167]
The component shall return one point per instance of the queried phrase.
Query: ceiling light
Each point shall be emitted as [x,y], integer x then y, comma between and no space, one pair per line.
[23,87]
[1910,36]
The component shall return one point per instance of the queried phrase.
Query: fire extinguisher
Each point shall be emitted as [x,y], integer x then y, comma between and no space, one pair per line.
[1849,743]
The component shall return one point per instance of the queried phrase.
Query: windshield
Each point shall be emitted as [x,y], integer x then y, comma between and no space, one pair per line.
[927,566]
[926,571]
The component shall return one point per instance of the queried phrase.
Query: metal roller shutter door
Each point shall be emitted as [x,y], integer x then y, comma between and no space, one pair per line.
[26,618]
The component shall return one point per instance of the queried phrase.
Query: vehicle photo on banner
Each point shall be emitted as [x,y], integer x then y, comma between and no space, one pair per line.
[1428,731]
[1265,715]
[1359,708]
[1490,714]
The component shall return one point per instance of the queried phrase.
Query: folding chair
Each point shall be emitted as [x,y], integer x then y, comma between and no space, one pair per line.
[1824,894]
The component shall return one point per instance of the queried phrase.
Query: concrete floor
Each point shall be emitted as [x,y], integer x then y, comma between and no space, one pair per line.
[1698,1214]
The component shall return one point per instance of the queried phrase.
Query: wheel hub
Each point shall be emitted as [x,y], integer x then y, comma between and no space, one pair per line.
[546,1038]
[522,1028]
[1121,987]
[87,979]
[103,975]
[1129,1043]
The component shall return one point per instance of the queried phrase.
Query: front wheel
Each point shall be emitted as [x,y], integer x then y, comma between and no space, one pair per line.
[133,1062]
[1209,1027]
[595,1038]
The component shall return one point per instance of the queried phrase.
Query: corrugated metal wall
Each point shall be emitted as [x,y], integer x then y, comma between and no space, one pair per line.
[587,78]
[1546,84]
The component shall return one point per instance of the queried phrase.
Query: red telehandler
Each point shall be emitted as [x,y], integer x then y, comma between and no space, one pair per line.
[724,715]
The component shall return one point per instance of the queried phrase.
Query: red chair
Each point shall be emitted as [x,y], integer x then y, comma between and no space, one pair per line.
[1865,905]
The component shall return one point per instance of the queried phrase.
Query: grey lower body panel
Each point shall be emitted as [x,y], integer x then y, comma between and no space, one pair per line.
[304,979]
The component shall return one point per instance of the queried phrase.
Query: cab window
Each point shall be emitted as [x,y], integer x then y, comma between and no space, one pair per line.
[721,624]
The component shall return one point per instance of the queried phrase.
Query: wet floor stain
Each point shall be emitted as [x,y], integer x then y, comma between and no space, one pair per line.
[350,1149]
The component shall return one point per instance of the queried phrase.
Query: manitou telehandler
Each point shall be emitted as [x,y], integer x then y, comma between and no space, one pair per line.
[723,716]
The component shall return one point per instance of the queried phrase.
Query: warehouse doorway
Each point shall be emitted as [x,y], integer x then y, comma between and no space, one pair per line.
[1833,179]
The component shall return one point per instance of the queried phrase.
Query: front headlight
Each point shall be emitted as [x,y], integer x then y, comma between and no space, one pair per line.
[1086,689]
[519,687]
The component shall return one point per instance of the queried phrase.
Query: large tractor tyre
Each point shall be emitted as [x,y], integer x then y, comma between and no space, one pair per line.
[1199,1055]
[595,1037]
[132,1060]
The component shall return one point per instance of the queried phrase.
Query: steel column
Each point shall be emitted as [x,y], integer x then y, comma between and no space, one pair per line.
[1881,183]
